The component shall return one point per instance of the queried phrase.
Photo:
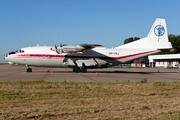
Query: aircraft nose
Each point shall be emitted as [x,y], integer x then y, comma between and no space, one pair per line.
[5,56]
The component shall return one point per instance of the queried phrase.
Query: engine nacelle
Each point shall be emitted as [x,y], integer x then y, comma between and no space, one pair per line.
[72,48]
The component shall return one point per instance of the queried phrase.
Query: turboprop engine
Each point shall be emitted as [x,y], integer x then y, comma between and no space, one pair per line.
[68,49]
[72,48]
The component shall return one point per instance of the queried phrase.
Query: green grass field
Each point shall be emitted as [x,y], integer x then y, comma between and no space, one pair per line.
[101,101]
[3,63]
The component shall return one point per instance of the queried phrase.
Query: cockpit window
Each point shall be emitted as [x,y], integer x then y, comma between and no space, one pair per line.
[11,53]
[20,51]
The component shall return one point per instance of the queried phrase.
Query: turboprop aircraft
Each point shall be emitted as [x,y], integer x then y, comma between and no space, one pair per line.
[83,56]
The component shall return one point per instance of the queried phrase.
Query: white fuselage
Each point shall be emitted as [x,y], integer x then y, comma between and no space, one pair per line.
[97,57]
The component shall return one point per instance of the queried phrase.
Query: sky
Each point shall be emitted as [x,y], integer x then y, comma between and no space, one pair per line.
[25,23]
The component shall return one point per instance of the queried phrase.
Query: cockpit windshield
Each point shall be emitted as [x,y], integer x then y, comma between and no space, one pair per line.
[19,51]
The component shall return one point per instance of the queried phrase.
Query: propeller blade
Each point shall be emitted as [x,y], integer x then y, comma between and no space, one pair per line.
[61,43]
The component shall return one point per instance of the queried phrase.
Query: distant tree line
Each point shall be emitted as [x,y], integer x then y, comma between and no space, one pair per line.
[131,39]
[174,39]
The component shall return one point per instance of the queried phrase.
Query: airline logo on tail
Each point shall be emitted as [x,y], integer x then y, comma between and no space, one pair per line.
[159,30]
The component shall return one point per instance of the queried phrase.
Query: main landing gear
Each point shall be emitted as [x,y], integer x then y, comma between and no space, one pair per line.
[77,69]
[80,69]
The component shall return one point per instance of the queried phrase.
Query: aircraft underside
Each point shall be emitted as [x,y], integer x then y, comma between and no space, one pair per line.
[78,65]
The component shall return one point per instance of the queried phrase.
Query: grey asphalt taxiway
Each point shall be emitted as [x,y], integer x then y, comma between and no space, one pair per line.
[18,73]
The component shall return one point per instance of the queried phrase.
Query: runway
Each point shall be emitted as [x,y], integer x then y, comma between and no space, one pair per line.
[18,73]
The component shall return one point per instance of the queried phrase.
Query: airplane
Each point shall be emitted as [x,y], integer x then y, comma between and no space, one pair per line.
[83,56]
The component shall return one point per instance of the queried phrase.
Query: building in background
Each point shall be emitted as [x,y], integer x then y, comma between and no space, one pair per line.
[141,62]
[167,61]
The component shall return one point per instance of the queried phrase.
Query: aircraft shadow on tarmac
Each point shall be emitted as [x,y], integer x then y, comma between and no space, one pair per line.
[117,72]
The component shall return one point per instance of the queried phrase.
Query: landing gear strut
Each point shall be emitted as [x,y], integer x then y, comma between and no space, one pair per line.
[83,68]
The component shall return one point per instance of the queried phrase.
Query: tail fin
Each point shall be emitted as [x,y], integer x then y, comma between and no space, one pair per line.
[158,31]
[156,39]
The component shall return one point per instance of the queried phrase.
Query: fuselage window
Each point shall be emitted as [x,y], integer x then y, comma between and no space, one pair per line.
[43,55]
[37,55]
[31,55]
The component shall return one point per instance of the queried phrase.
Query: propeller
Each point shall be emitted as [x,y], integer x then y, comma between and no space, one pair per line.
[56,48]
[59,49]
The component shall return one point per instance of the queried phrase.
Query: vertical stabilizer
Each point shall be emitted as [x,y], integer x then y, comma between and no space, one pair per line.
[158,31]
[157,38]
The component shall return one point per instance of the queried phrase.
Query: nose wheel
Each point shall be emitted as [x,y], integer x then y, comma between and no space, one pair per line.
[29,70]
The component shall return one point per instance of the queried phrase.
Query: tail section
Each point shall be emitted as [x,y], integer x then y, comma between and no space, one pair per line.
[158,31]
[156,39]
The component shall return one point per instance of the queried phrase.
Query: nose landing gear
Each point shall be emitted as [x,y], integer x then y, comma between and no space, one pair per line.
[28,69]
